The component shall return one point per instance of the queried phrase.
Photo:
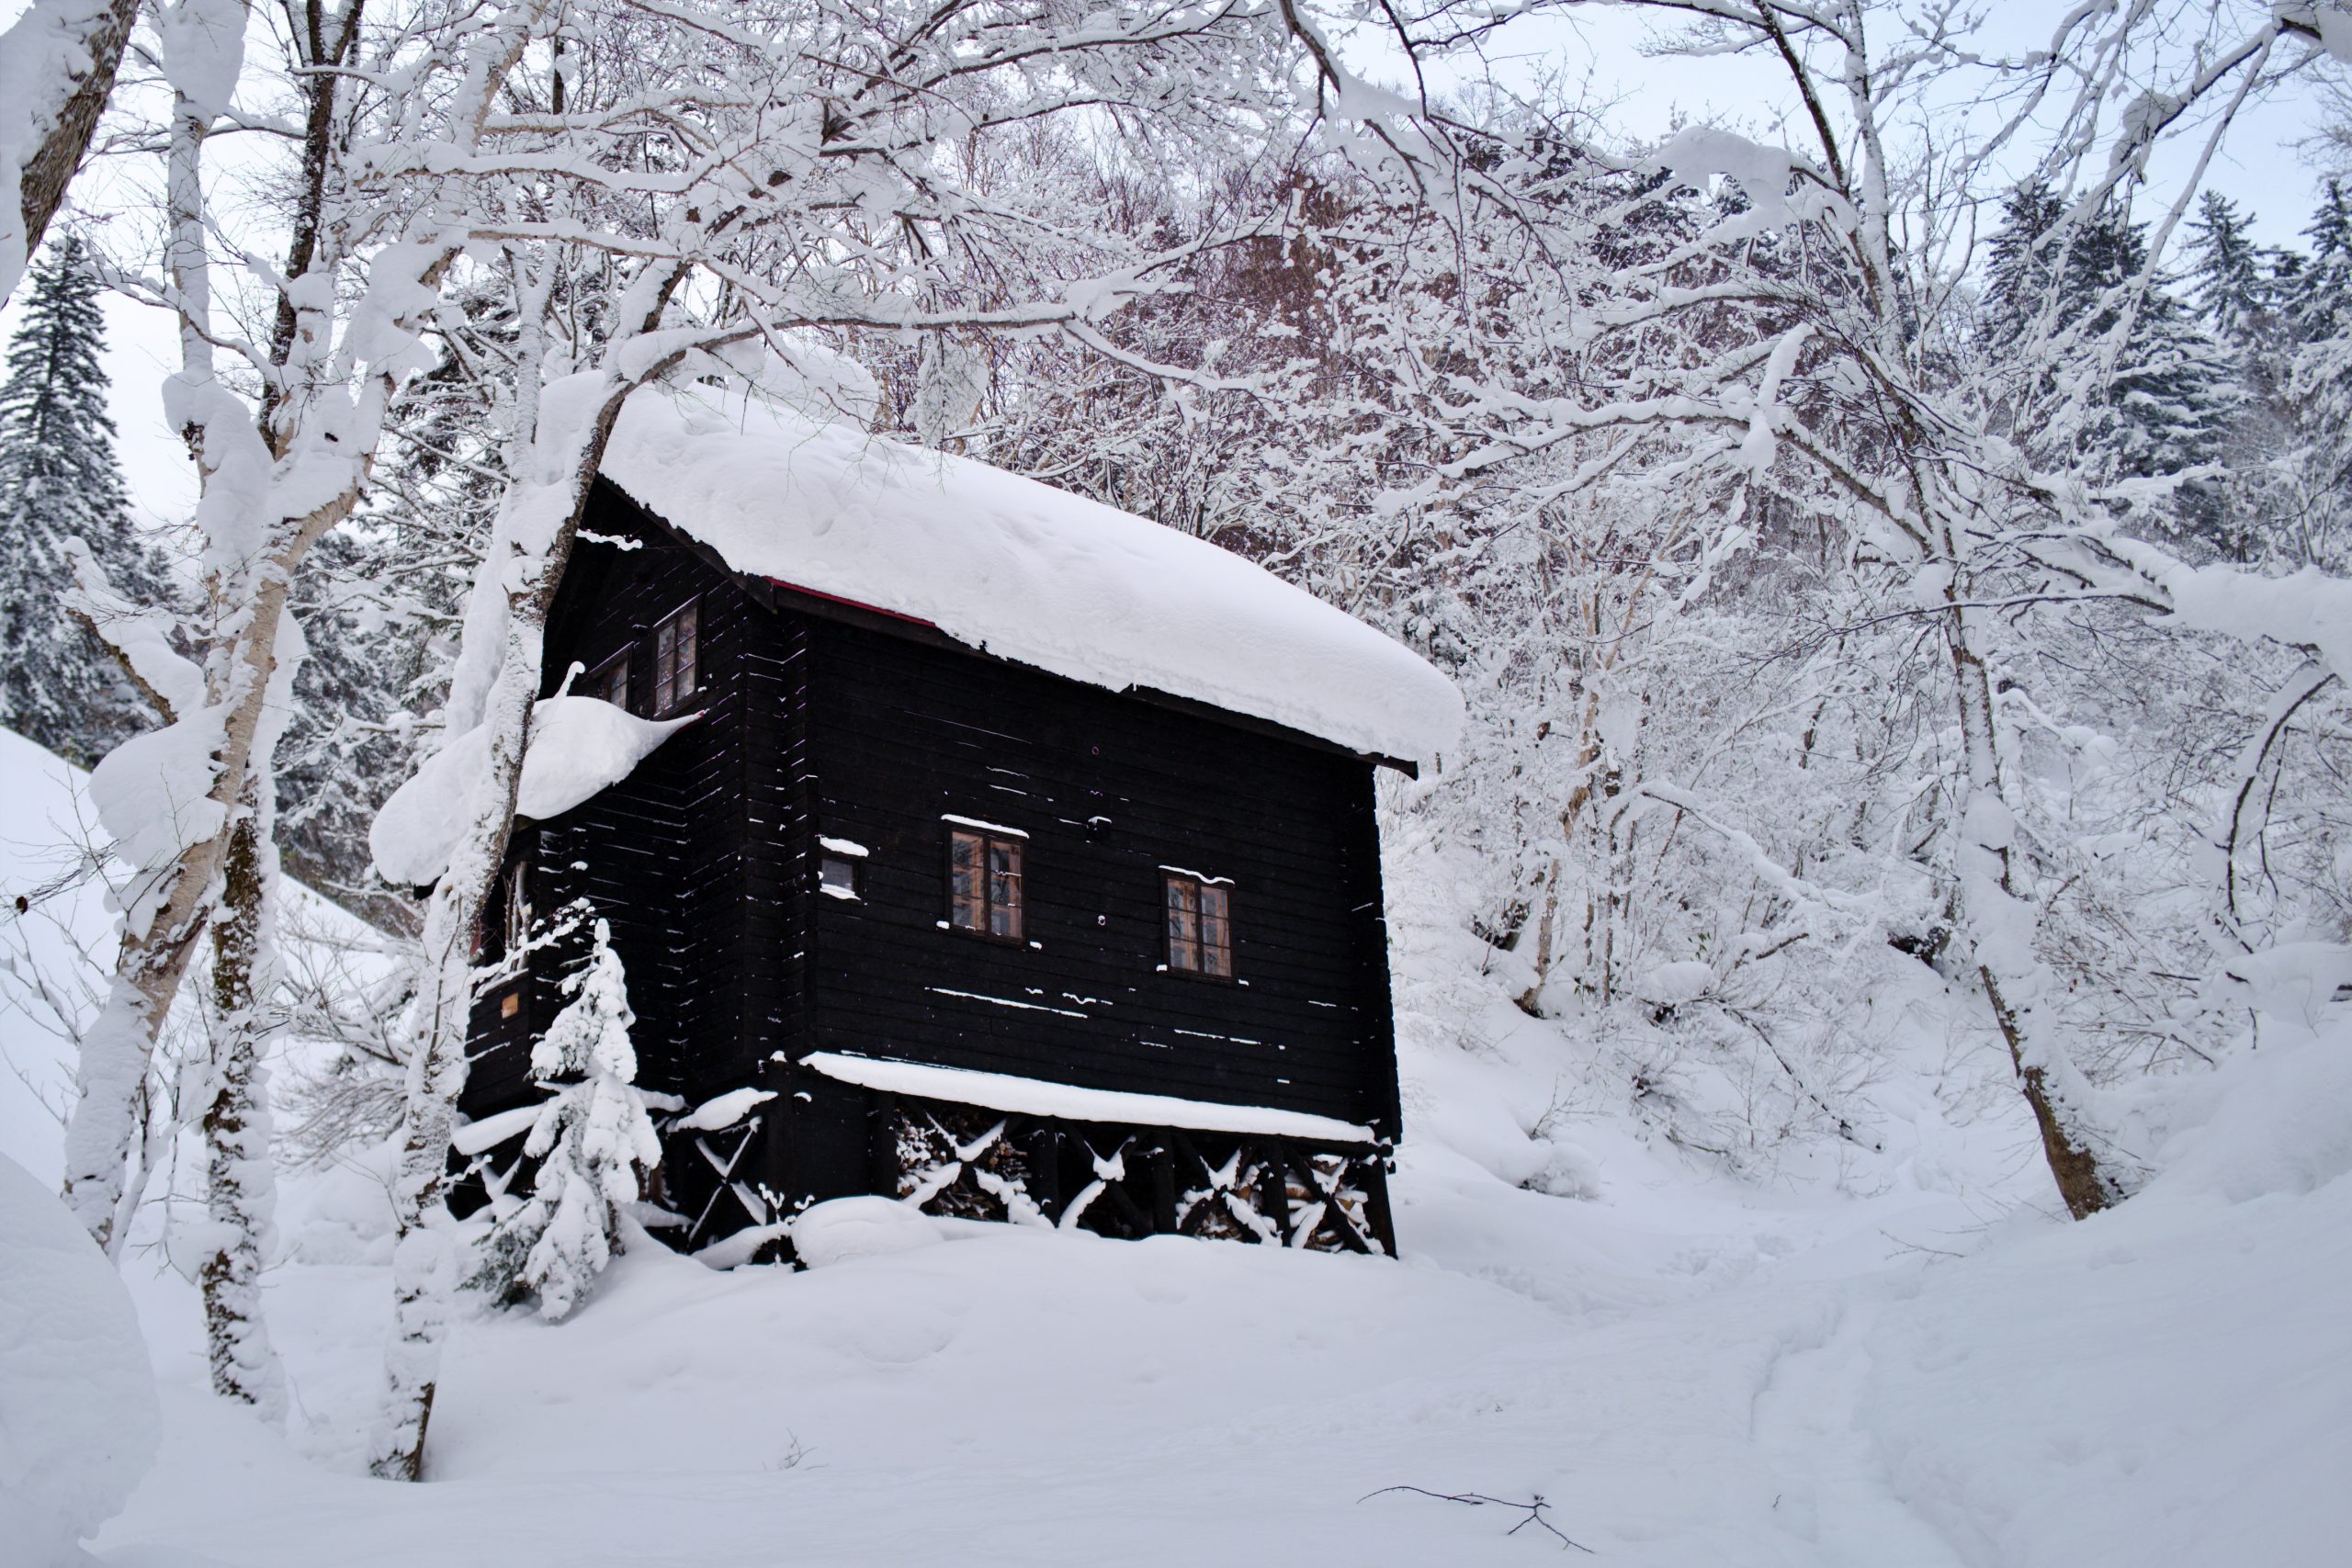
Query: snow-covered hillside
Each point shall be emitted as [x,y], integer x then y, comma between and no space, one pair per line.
[1886,1355]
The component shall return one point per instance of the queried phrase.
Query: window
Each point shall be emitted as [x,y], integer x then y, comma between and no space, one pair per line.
[1200,925]
[837,875]
[675,653]
[984,884]
[610,682]
[518,908]
[515,929]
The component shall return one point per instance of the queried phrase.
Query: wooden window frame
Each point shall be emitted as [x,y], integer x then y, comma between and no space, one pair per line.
[600,679]
[656,707]
[856,874]
[989,842]
[1198,970]
[515,926]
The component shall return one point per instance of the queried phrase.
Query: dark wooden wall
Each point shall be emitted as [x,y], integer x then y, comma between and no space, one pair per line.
[1110,788]
[662,855]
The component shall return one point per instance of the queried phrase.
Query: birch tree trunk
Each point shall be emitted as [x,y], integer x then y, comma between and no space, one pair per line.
[165,906]
[554,482]
[271,487]
[62,56]
[423,1264]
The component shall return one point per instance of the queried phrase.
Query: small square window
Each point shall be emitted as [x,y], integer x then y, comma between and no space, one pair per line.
[1200,926]
[984,889]
[610,682]
[676,659]
[837,876]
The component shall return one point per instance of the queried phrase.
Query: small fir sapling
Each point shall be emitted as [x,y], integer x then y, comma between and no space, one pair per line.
[594,1140]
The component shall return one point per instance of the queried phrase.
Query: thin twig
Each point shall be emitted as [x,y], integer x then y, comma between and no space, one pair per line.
[1533,1508]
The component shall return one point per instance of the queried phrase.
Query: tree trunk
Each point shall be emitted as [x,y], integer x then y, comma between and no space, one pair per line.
[423,1267]
[240,1185]
[2001,928]
[76,95]
[165,907]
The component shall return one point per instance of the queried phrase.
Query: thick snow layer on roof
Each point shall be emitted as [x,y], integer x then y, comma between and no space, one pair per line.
[1034,1096]
[1019,569]
[579,747]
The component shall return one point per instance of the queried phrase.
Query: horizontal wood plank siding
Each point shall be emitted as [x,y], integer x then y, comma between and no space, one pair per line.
[660,856]
[1110,789]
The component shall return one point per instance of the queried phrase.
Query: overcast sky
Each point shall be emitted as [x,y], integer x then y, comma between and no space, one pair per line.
[1601,49]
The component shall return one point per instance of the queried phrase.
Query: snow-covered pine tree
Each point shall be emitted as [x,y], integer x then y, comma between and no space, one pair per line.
[2318,530]
[594,1138]
[2232,279]
[58,482]
[2169,394]
[2241,289]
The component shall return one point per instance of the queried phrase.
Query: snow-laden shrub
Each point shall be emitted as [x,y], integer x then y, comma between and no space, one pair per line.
[77,1399]
[592,1141]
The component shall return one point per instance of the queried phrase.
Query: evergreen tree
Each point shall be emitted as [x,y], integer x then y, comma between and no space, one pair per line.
[2172,395]
[2317,525]
[2322,295]
[594,1138]
[59,482]
[2233,279]
[2242,290]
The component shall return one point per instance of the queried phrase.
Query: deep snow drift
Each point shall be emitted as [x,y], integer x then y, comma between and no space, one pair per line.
[1883,1358]
[77,1400]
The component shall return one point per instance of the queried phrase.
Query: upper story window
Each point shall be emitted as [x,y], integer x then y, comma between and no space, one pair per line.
[984,889]
[676,659]
[610,681]
[1200,925]
[517,925]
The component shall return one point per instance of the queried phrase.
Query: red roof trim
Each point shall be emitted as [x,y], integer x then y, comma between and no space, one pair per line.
[854,604]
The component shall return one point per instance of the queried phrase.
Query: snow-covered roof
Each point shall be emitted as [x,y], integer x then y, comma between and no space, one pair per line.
[1019,569]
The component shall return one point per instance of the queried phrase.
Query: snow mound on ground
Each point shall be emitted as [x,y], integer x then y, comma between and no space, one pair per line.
[78,1414]
[1019,569]
[2280,1121]
[579,748]
[860,1227]
[1671,985]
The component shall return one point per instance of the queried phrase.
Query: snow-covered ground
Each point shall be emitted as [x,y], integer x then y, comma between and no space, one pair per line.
[1894,1359]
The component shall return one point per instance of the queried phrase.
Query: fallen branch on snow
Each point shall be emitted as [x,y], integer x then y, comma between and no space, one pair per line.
[1533,1508]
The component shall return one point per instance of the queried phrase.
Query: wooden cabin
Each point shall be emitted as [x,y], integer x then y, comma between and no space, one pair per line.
[972,883]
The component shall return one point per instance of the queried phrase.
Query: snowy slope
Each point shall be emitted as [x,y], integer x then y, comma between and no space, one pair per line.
[1692,1371]
[1019,569]
[41,838]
